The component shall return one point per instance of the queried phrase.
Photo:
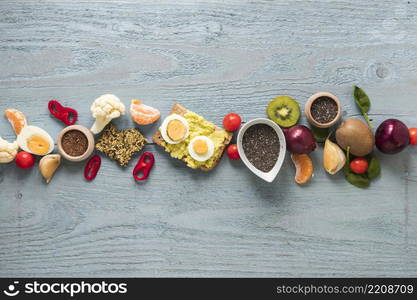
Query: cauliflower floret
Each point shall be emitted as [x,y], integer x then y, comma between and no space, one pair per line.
[106,108]
[8,151]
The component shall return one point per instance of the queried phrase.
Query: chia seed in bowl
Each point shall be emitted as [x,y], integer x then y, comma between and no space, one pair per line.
[262,147]
[324,110]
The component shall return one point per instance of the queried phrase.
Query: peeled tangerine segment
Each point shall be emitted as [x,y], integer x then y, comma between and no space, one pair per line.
[304,167]
[143,114]
[48,166]
[16,118]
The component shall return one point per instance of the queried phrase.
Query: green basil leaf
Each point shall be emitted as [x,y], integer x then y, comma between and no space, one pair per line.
[363,102]
[320,134]
[358,180]
[361,99]
[346,168]
[374,169]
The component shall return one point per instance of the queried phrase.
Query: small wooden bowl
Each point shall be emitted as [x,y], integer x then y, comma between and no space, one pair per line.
[90,139]
[307,110]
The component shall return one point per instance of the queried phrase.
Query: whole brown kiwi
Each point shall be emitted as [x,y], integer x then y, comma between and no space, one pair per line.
[357,135]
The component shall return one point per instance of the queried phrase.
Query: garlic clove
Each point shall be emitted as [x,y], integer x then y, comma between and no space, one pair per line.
[48,166]
[333,157]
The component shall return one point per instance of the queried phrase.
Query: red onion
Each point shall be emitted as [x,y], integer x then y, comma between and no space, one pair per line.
[300,139]
[392,136]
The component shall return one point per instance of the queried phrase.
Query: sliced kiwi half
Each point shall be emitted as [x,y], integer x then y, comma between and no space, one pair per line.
[284,111]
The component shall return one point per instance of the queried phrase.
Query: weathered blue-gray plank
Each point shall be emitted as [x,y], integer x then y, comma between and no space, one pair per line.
[212,58]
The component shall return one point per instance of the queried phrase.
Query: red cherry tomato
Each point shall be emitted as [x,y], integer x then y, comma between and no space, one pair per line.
[413,136]
[232,152]
[359,165]
[25,160]
[231,122]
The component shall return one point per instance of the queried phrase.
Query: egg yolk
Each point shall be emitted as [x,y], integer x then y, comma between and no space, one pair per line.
[176,130]
[38,145]
[200,147]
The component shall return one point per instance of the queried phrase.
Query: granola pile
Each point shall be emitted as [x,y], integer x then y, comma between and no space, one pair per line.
[120,145]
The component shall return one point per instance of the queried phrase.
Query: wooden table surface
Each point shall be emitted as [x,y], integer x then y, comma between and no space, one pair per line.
[213,58]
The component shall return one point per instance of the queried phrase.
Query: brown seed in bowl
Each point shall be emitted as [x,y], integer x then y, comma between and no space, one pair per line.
[74,143]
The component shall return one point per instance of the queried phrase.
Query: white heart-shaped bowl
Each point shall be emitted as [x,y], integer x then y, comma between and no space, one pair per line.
[267,176]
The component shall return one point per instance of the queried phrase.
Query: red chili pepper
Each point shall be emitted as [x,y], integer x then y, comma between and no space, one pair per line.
[66,114]
[92,167]
[145,164]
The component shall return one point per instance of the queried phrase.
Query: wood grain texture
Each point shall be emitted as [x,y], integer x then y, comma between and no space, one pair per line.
[213,57]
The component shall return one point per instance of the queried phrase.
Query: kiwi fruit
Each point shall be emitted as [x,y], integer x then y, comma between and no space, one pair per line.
[357,135]
[284,111]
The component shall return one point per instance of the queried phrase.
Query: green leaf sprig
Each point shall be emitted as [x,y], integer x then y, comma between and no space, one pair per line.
[374,169]
[358,180]
[320,134]
[363,102]
[362,180]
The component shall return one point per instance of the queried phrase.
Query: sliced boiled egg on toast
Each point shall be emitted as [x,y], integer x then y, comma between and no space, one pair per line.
[174,129]
[35,140]
[201,148]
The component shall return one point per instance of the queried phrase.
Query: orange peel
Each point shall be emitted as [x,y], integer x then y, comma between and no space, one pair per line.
[16,118]
[303,166]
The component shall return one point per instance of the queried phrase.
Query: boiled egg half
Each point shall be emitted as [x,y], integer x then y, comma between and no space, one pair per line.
[174,129]
[35,140]
[201,148]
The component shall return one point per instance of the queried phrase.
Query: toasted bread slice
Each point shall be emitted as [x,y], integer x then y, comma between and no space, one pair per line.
[178,109]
